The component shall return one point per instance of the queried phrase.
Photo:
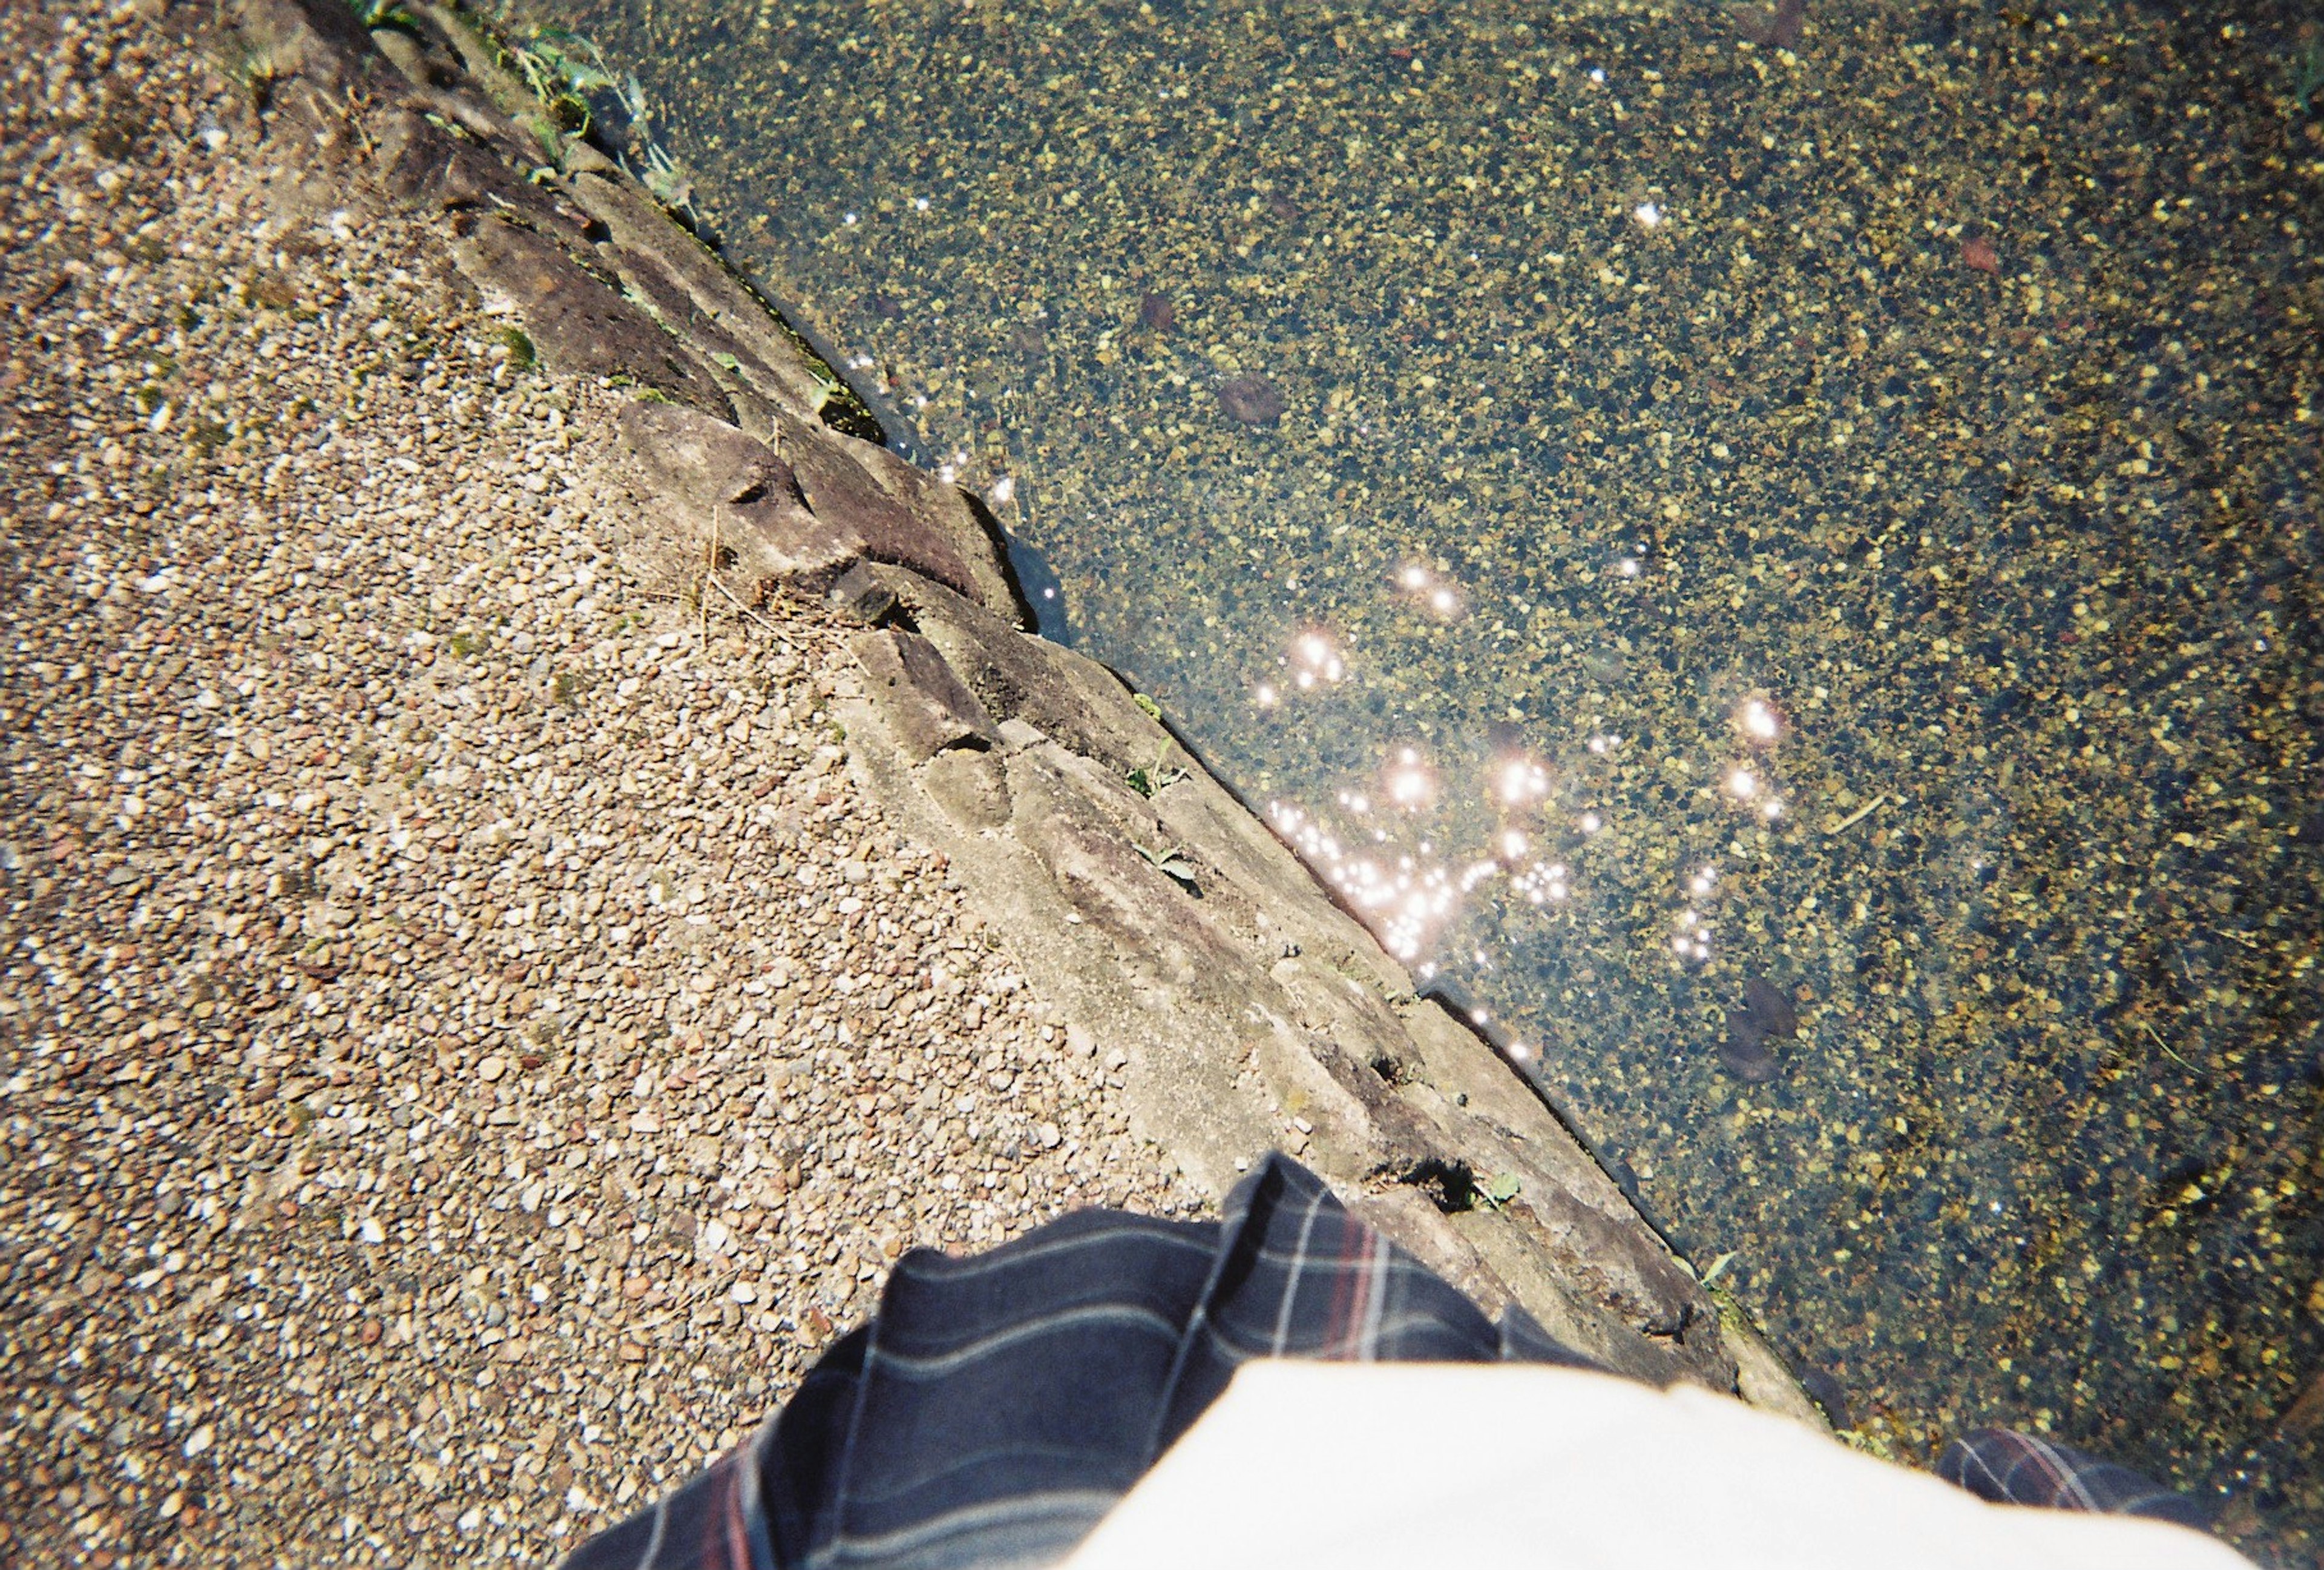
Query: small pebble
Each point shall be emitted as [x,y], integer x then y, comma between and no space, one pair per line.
[1252,399]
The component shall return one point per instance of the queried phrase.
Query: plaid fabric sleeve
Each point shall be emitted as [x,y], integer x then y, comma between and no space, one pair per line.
[996,1407]
[2008,1467]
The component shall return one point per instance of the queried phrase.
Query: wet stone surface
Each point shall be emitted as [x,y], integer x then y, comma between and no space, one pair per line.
[1825,493]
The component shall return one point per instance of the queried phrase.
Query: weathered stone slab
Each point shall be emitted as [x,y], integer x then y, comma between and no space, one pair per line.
[1091,853]
[1222,962]
[923,703]
[1018,734]
[838,489]
[410,155]
[702,460]
[320,44]
[1762,1378]
[781,543]
[972,788]
[861,594]
[944,510]
[1408,1215]
[760,393]
[730,494]
[490,163]
[1506,1242]
[756,390]
[646,237]
[1068,695]
[579,323]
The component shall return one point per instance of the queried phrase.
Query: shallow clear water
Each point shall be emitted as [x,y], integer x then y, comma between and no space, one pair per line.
[1841,517]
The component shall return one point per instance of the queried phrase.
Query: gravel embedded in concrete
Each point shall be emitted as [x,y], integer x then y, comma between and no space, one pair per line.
[465,1041]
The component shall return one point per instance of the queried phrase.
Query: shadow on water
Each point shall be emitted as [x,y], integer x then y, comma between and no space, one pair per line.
[1038,587]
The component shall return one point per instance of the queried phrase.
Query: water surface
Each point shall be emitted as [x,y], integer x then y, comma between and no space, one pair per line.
[1667,521]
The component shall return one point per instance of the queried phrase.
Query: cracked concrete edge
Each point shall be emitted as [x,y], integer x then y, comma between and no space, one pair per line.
[1252,1010]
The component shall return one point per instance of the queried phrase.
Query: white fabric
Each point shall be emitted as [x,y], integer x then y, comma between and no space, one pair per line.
[1345,1466]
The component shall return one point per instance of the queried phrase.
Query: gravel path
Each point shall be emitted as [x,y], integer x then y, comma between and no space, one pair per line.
[464,1039]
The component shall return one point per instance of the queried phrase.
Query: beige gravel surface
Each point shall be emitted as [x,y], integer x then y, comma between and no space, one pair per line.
[464,1039]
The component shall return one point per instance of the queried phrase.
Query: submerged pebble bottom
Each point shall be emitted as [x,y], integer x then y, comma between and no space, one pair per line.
[1666,522]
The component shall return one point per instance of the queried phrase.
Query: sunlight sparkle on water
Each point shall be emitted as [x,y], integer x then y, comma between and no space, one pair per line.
[1522,781]
[1440,596]
[1411,782]
[1314,659]
[1406,903]
[1410,897]
[1543,883]
[1692,940]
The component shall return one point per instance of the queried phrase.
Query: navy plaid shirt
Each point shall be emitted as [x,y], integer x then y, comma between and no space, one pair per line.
[996,1407]
[2013,1468]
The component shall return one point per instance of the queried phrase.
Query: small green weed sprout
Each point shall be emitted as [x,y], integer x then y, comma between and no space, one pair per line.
[384,16]
[561,69]
[1497,1190]
[1154,779]
[1172,864]
[518,344]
